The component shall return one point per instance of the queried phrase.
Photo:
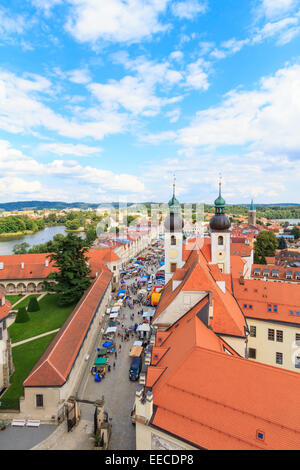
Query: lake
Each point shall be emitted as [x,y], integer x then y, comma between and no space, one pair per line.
[43,236]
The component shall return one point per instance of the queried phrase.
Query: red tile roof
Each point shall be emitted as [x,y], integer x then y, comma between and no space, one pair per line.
[219,401]
[54,366]
[4,309]
[260,294]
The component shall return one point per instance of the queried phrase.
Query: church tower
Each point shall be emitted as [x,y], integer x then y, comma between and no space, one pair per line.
[173,237]
[220,235]
[252,214]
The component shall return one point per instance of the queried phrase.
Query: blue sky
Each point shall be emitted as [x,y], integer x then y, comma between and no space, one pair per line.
[104,100]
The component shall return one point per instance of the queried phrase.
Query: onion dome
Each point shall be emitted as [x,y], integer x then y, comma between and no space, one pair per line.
[220,221]
[174,222]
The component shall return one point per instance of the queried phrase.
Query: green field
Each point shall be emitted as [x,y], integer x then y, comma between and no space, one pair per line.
[25,357]
[13,298]
[49,317]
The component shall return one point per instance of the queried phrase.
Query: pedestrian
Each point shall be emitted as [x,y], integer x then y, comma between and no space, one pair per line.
[114,365]
[120,347]
[116,355]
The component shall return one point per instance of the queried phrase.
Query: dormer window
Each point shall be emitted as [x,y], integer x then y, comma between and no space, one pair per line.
[173,240]
[220,240]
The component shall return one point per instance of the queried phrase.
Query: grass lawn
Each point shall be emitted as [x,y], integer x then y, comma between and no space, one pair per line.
[25,302]
[25,357]
[14,298]
[48,318]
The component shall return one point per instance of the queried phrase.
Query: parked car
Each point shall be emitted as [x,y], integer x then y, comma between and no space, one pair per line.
[135,368]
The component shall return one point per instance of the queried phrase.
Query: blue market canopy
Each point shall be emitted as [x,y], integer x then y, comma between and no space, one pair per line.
[107,344]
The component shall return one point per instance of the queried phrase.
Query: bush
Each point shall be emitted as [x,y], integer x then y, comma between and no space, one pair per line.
[22,316]
[33,305]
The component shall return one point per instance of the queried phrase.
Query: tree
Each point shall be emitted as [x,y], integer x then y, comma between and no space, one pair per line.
[296,232]
[73,270]
[282,243]
[266,244]
[33,305]
[21,248]
[22,315]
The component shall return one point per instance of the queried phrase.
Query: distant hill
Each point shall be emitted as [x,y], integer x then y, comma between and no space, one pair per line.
[40,205]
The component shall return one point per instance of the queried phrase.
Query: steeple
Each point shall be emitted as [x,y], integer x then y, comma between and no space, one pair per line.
[220,221]
[252,206]
[174,203]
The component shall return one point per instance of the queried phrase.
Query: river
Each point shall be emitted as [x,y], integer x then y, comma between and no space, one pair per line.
[43,236]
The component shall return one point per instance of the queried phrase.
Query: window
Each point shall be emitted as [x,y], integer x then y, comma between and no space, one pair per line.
[173,240]
[260,435]
[39,401]
[253,331]
[279,336]
[297,338]
[173,267]
[279,358]
[252,353]
[220,240]
[270,335]
[297,362]
[114,268]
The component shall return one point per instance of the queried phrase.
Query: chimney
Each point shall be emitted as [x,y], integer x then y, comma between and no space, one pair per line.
[210,310]
[46,263]
[22,265]
[242,281]
[1,265]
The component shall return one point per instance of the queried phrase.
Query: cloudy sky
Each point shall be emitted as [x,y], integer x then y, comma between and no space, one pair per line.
[104,100]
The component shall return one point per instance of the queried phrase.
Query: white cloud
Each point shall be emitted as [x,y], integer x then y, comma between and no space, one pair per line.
[78,150]
[284,30]
[197,76]
[115,20]
[10,24]
[189,9]
[23,94]
[275,8]
[267,118]
[79,76]
[45,5]
[17,171]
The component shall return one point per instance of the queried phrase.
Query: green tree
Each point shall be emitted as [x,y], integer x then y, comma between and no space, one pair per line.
[22,315]
[73,271]
[282,243]
[21,248]
[33,305]
[266,244]
[296,232]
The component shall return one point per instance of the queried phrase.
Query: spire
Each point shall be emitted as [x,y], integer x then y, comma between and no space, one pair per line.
[220,202]
[174,203]
[252,206]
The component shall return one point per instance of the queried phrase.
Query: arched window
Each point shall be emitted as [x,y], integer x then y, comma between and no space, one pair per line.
[173,240]
[220,240]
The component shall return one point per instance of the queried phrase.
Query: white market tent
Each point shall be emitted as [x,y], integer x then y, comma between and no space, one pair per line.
[113,315]
[138,343]
[143,327]
[108,310]
[111,329]
[115,309]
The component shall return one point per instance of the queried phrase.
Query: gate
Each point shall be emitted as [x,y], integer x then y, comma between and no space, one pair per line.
[71,416]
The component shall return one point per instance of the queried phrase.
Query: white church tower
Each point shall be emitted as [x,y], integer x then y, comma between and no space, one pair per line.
[173,237]
[220,235]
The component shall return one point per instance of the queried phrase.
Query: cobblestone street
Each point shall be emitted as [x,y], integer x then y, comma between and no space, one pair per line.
[118,392]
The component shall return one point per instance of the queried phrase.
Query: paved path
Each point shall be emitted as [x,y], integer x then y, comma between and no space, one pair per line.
[119,395]
[34,337]
[20,300]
